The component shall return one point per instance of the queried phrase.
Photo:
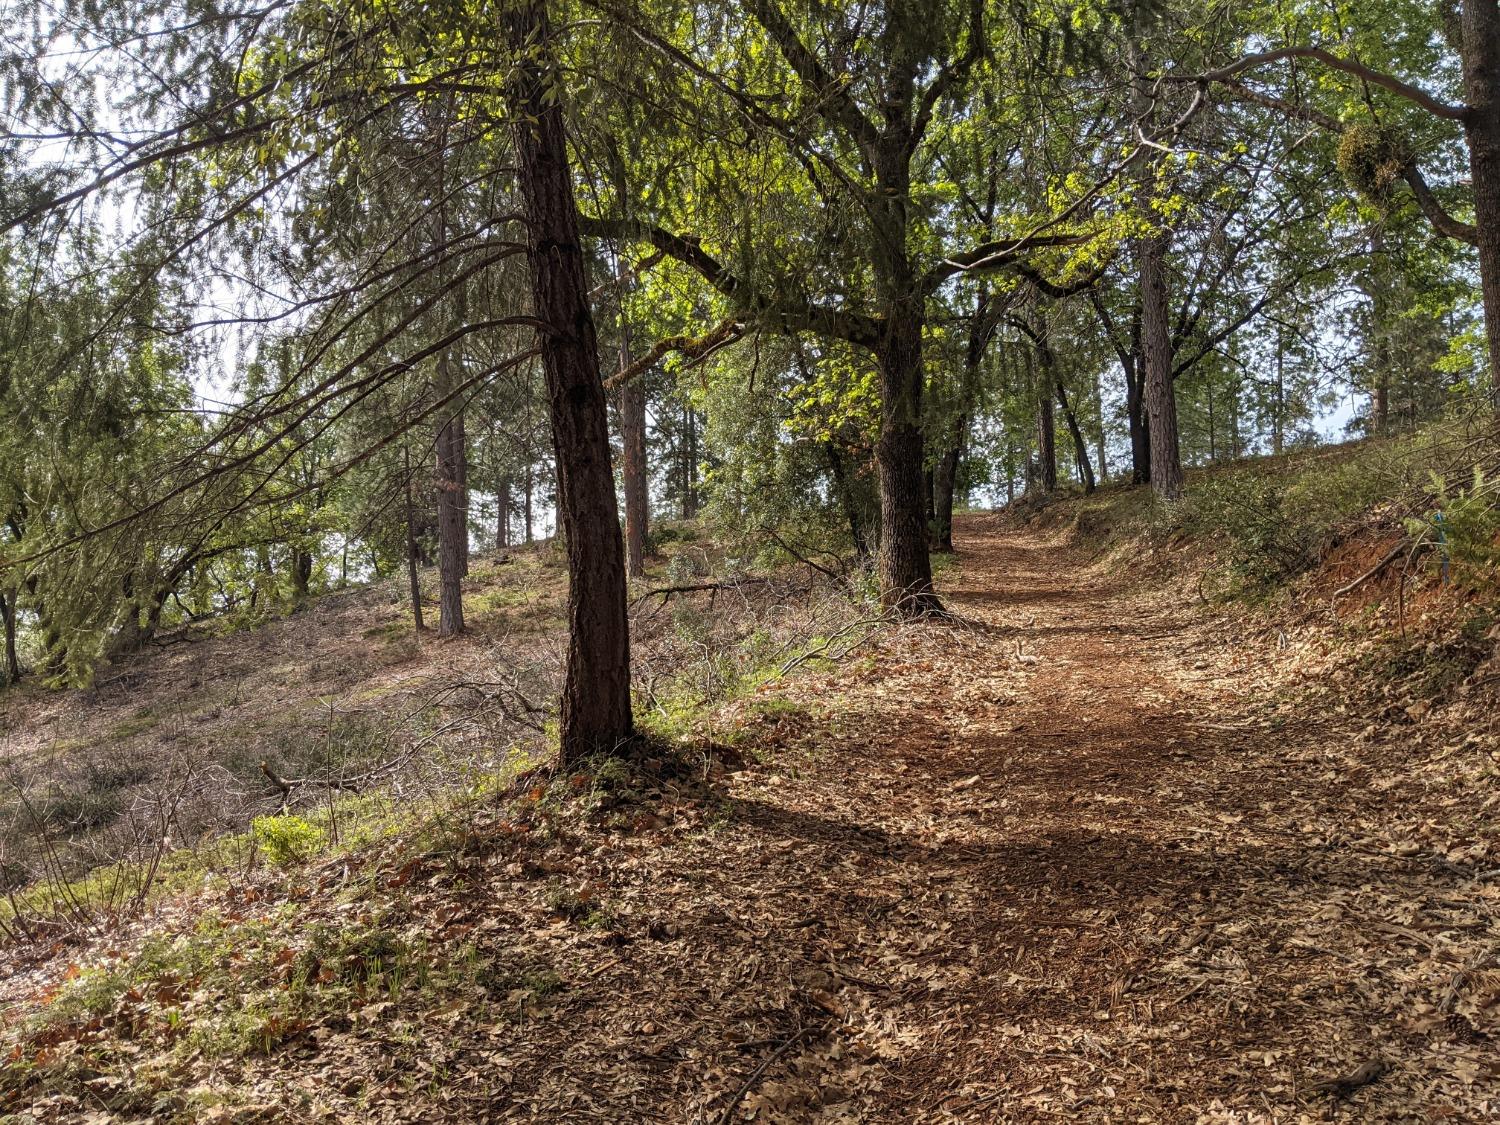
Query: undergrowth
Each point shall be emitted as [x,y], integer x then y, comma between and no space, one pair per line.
[1275,520]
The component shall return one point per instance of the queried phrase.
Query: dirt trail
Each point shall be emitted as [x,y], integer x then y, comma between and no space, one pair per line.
[1064,863]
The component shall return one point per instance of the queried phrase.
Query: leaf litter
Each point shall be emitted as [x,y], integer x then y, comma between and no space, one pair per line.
[1076,855]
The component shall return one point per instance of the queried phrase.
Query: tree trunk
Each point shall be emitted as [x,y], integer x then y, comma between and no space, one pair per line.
[10,666]
[1156,357]
[412,578]
[945,479]
[595,712]
[689,462]
[1276,402]
[453,526]
[302,569]
[1155,370]
[905,567]
[633,464]
[1099,436]
[1046,434]
[502,513]
[1480,25]
[1378,289]
[1080,447]
[841,487]
[526,495]
[1213,453]
[1051,380]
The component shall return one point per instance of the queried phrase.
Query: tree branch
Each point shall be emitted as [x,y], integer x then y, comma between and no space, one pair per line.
[782,314]
[694,347]
[834,102]
[1435,106]
[1444,223]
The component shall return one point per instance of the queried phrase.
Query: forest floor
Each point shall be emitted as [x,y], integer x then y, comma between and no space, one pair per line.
[1080,854]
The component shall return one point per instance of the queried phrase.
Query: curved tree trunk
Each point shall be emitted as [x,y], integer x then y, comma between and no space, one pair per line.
[595,712]
[1046,428]
[1080,447]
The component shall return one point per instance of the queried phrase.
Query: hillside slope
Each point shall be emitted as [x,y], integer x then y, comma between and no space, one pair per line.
[1079,854]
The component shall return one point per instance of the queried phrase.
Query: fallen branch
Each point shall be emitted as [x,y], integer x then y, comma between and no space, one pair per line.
[1395,553]
[1346,1084]
[821,651]
[666,592]
[745,1087]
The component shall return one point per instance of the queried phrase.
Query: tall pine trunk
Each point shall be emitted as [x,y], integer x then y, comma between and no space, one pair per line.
[1480,29]
[595,711]
[502,514]
[1045,476]
[413,580]
[633,459]
[453,525]
[1156,362]
[1154,374]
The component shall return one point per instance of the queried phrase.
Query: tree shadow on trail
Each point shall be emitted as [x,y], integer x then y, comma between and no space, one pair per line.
[1112,871]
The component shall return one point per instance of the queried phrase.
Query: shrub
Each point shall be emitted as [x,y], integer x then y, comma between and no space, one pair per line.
[1465,524]
[286,839]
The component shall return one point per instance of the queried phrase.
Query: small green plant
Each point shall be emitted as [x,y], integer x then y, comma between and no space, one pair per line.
[286,839]
[1465,526]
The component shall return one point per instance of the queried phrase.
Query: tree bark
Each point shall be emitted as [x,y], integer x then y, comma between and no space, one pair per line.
[302,569]
[1378,290]
[526,498]
[945,481]
[502,513]
[1140,432]
[413,580]
[841,487]
[1155,371]
[1099,436]
[10,668]
[595,712]
[689,463]
[453,526]
[633,458]
[1046,427]
[1480,49]
[1156,357]
[1080,447]
[905,568]
[945,476]
[1277,402]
